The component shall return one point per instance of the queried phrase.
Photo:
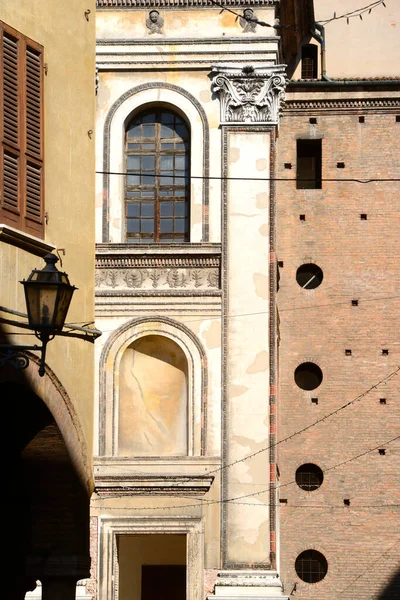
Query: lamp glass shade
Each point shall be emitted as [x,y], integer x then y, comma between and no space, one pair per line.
[48,295]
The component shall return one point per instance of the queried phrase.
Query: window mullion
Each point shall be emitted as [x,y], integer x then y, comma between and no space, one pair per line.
[157,177]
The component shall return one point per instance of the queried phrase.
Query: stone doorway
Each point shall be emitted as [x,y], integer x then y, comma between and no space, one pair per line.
[152,567]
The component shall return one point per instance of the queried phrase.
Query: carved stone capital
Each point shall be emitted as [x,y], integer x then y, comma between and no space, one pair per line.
[250,94]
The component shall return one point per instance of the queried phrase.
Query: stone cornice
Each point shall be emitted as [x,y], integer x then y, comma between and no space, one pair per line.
[341,105]
[25,241]
[171,485]
[178,4]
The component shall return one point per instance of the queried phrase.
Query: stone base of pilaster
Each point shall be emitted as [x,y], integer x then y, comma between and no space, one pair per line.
[248,585]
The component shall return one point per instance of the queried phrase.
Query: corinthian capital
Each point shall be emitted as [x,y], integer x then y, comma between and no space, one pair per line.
[249,94]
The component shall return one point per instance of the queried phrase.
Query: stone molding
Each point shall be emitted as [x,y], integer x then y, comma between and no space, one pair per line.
[173,270]
[243,584]
[249,94]
[25,241]
[188,41]
[341,105]
[177,4]
[148,485]
[112,527]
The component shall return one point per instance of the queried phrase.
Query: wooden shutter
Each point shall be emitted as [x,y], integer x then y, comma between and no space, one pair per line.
[21,187]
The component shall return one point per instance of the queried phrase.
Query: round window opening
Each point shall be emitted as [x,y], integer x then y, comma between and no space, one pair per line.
[309,276]
[311,566]
[309,477]
[308,376]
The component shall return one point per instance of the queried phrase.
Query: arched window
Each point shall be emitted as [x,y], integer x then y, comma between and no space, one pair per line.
[157,147]
[153,399]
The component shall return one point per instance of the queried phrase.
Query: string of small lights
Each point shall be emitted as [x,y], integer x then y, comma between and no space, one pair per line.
[357,13]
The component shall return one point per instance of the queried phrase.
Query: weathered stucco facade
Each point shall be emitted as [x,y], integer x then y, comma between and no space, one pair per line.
[196,379]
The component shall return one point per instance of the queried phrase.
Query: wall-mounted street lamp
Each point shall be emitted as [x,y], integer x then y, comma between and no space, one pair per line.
[48,294]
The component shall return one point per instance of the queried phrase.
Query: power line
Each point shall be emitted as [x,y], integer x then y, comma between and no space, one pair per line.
[300,431]
[308,427]
[358,12]
[369,568]
[253,19]
[266,312]
[210,177]
[344,462]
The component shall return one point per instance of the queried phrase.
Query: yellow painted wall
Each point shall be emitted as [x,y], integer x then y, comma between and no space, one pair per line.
[69,98]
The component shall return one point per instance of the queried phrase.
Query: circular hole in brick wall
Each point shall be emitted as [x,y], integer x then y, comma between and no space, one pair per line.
[309,276]
[311,566]
[309,477]
[308,376]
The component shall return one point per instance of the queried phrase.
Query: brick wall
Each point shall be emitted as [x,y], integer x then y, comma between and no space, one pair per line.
[360,260]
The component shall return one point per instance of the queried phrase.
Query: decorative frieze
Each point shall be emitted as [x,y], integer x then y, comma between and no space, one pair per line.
[158,272]
[249,94]
[158,279]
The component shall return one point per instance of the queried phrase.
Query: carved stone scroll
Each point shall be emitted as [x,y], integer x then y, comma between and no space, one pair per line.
[249,94]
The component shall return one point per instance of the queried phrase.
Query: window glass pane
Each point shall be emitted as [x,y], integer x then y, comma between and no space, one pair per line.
[147,209]
[180,179]
[148,179]
[167,146]
[133,209]
[181,131]
[147,225]
[180,162]
[180,146]
[150,118]
[133,146]
[164,193]
[166,163]
[180,209]
[167,117]
[147,146]
[167,209]
[180,193]
[167,131]
[148,163]
[148,131]
[134,130]
[133,225]
[148,194]
[166,225]
[166,180]
[133,163]
[180,225]
[131,194]
[133,179]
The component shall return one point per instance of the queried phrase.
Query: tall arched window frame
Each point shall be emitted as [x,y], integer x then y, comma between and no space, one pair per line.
[157,187]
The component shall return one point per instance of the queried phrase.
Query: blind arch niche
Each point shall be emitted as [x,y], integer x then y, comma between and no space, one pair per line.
[153,398]
[190,359]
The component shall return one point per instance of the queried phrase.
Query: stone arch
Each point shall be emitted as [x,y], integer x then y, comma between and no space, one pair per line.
[126,105]
[51,391]
[47,480]
[110,361]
